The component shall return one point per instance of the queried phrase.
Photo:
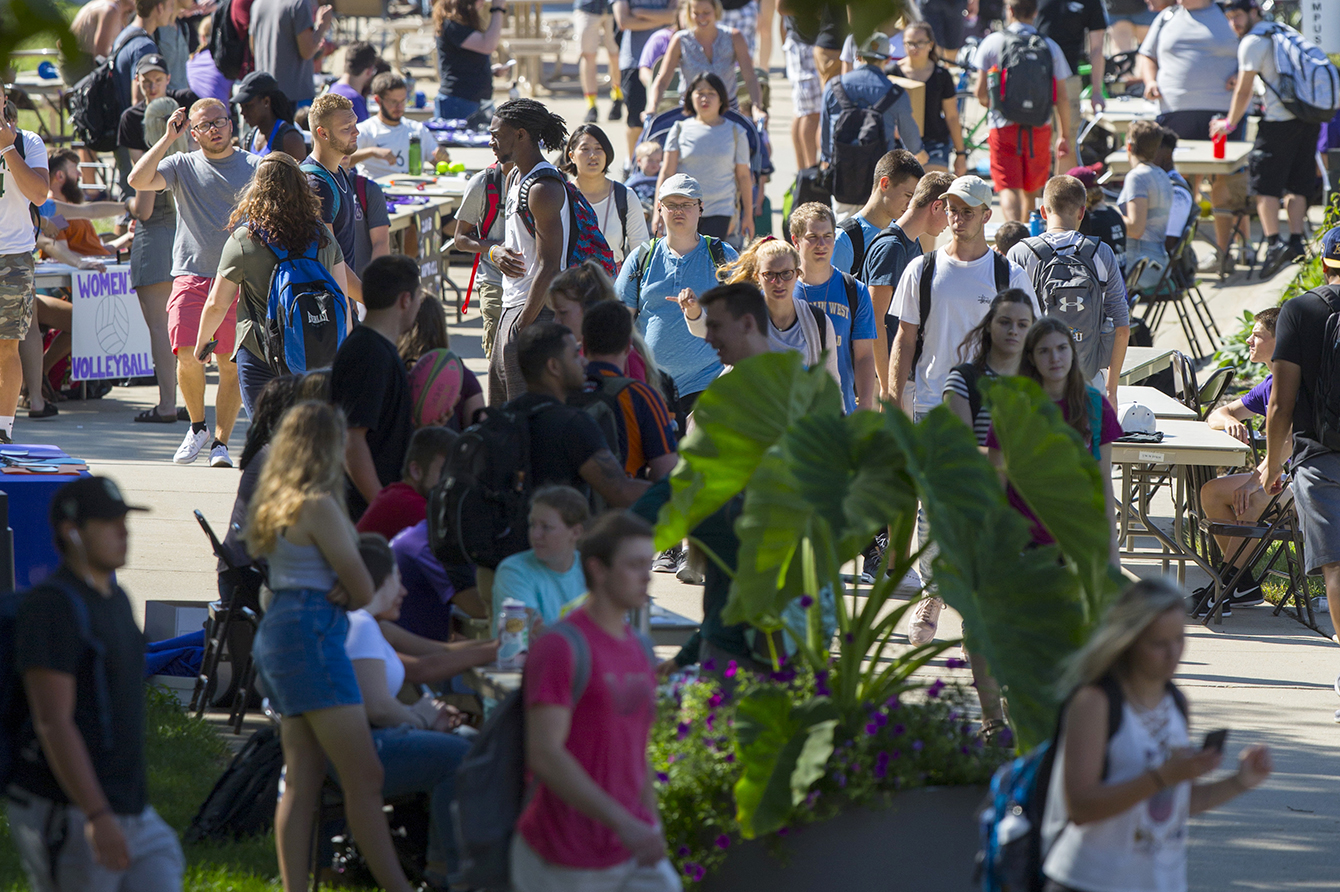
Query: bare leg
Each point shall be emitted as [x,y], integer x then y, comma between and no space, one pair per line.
[153,305]
[1268,209]
[191,380]
[305,770]
[988,690]
[227,401]
[766,8]
[30,356]
[1295,206]
[11,376]
[1216,498]
[1122,35]
[1012,205]
[808,129]
[1331,573]
[586,67]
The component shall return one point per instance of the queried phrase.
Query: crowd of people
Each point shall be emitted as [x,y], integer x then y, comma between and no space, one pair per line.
[611,299]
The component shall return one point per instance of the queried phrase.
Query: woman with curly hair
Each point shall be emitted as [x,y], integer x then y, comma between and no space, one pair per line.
[298,522]
[464,44]
[278,208]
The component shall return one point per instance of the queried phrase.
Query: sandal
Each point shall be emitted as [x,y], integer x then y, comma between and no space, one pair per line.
[151,416]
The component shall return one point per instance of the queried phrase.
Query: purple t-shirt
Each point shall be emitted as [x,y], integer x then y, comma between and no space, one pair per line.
[1258,398]
[655,47]
[205,78]
[348,92]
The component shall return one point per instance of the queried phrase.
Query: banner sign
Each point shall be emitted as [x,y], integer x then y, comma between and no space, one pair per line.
[110,339]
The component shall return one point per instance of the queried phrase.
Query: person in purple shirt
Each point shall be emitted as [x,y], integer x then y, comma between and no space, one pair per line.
[433,589]
[201,72]
[360,65]
[1216,496]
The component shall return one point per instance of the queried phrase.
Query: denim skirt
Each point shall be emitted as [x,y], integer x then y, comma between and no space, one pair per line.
[300,656]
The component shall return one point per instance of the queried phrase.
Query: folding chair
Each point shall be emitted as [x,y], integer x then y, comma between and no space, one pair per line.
[1175,288]
[221,618]
[1214,388]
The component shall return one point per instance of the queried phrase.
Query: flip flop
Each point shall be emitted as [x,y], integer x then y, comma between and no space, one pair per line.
[151,416]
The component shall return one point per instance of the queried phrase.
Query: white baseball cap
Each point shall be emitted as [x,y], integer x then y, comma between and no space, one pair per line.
[1137,418]
[973,191]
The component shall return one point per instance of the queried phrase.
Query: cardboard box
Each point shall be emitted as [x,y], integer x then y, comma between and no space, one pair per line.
[916,91]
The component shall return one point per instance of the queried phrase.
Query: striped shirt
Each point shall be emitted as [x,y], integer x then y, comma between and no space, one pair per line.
[956,383]
[646,427]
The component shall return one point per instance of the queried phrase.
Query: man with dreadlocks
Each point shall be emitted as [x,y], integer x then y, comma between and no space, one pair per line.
[529,257]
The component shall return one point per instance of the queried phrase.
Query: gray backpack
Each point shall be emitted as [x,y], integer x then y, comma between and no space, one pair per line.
[1069,288]
[491,780]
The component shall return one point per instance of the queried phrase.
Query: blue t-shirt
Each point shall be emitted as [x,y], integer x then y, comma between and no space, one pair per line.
[689,359]
[524,577]
[844,252]
[832,297]
[1258,398]
[127,57]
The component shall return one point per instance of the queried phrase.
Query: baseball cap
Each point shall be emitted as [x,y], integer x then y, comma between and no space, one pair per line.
[89,498]
[680,184]
[974,191]
[151,62]
[258,83]
[876,47]
[1330,248]
[1088,175]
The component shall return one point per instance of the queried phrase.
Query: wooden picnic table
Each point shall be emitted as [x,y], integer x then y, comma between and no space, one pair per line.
[1193,157]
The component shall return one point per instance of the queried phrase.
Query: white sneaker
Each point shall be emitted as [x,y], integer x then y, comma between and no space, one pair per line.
[910,584]
[218,457]
[190,447]
[925,619]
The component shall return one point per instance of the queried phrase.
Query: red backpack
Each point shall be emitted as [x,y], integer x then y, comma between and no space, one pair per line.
[585,240]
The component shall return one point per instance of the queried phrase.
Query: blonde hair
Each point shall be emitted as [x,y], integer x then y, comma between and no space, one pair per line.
[686,10]
[208,102]
[308,449]
[587,284]
[745,268]
[807,213]
[1125,621]
[323,107]
[646,149]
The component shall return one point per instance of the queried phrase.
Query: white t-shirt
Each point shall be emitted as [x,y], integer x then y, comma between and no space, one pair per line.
[16,223]
[375,132]
[607,212]
[365,641]
[517,238]
[1256,53]
[960,296]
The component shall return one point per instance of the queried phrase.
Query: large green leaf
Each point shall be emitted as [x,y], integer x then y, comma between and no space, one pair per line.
[1055,474]
[23,20]
[782,748]
[737,419]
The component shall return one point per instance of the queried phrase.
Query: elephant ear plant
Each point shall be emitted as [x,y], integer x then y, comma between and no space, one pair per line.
[818,485]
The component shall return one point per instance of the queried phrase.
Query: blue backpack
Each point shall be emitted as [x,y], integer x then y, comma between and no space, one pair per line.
[1010,819]
[14,716]
[306,314]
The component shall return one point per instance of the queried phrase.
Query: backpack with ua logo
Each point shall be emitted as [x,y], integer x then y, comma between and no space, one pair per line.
[1069,288]
[859,141]
[585,240]
[1309,84]
[306,315]
[1027,80]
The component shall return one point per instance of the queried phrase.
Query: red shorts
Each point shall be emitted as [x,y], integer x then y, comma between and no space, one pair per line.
[1025,167]
[184,307]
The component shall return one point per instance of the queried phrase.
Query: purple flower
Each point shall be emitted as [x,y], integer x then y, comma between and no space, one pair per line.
[936,687]
[881,719]
[892,703]
[731,669]
[917,745]
[663,777]
[783,831]
[955,663]
[811,799]
[671,757]
[898,729]
[841,779]
[723,841]
[694,871]
[881,770]
[806,601]
[964,750]
[730,757]
[683,852]
[896,754]
[871,728]
[715,700]
[683,730]
[848,638]
[711,718]
[821,683]
[709,665]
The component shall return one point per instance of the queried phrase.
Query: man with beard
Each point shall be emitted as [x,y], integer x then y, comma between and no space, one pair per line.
[383,140]
[205,184]
[334,135]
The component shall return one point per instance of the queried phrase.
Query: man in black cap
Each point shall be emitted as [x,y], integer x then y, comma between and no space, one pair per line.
[268,114]
[151,76]
[78,808]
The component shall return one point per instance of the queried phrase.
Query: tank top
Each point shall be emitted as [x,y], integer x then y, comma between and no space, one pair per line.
[1143,849]
[299,566]
[693,61]
[517,238]
[277,132]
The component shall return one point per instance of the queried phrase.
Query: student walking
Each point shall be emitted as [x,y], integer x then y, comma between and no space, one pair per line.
[480,228]
[78,799]
[268,114]
[334,129]
[943,133]
[894,184]
[587,160]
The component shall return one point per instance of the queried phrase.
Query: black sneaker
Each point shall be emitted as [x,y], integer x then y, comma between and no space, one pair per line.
[592,116]
[668,560]
[616,110]
[4,439]
[1209,608]
[1277,256]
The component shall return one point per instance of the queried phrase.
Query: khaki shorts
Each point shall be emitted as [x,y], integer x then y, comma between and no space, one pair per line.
[590,28]
[16,295]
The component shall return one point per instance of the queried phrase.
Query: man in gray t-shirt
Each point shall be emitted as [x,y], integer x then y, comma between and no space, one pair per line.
[1188,59]
[1145,202]
[470,217]
[284,38]
[206,185]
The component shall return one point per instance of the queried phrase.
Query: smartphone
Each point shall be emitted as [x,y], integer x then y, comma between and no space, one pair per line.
[204,352]
[1215,740]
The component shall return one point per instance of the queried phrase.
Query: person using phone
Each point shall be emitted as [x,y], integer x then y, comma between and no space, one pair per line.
[1126,780]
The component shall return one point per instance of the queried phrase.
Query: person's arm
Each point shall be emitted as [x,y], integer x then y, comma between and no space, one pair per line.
[959,405]
[825,124]
[546,206]
[1279,422]
[51,698]
[381,154]
[359,465]
[1097,67]
[669,64]
[1134,215]
[380,238]
[1063,114]
[59,251]
[380,704]
[1121,339]
[746,63]
[109,25]
[485,42]
[880,298]
[901,364]
[309,40]
[222,293]
[899,119]
[744,184]
[293,146]
[145,175]
[640,19]
[606,476]
[432,668]
[864,373]
[1254,766]
[33,182]
[1238,105]
[92,210]
[1229,419]
[469,240]
[328,526]
[547,756]
[950,110]
[662,465]
[983,89]
[1147,70]
[1109,503]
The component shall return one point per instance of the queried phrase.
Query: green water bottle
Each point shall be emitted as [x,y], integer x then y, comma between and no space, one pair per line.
[415,156]
[993,85]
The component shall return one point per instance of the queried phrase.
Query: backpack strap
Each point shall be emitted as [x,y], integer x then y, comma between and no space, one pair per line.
[621,205]
[1095,421]
[927,277]
[493,189]
[852,287]
[361,191]
[101,690]
[971,377]
[820,319]
[1002,272]
[523,195]
[581,657]
[715,251]
[319,171]
[840,94]
[888,99]
[857,236]
[640,271]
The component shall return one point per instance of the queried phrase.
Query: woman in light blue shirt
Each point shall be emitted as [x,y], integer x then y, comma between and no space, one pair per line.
[548,577]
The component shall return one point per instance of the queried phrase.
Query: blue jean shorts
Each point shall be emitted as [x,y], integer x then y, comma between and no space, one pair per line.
[938,152]
[300,656]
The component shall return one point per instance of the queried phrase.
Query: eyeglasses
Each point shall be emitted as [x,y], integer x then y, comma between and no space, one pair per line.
[215,124]
[679,208]
[917,43]
[781,275]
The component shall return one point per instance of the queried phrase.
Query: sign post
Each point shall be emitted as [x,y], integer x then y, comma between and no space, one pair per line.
[110,339]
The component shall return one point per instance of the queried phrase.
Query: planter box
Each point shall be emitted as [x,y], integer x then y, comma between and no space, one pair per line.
[926,841]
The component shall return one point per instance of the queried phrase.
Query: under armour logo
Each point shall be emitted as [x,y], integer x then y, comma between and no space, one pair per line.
[1070,304]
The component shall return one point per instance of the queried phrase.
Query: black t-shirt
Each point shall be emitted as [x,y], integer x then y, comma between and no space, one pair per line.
[828,29]
[46,636]
[345,219]
[462,73]
[1300,334]
[562,438]
[369,383]
[130,131]
[939,87]
[1067,21]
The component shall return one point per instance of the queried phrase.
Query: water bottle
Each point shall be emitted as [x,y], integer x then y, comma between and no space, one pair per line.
[993,84]
[1034,220]
[415,156]
[513,635]
[514,93]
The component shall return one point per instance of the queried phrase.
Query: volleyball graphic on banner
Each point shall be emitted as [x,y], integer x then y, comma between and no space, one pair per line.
[112,325]
[109,338]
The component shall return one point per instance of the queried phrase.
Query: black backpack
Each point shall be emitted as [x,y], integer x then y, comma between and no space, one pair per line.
[1002,269]
[857,235]
[811,184]
[1027,82]
[32,208]
[479,513]
[227,45]
[242,803]
[1326,390]
[95,108]
[600,400]
[859,142]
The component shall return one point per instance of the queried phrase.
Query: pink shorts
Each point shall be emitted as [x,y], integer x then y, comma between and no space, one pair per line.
[185,305]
